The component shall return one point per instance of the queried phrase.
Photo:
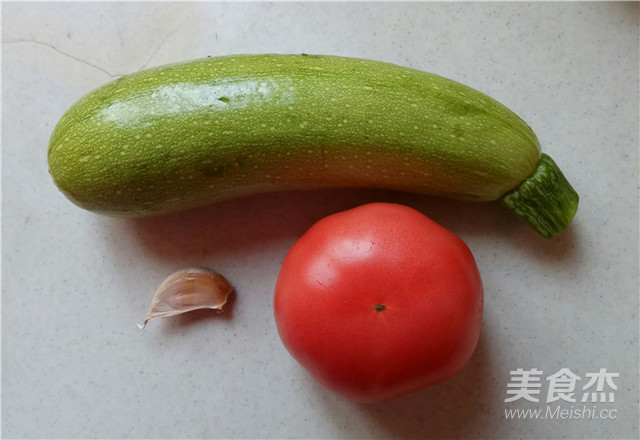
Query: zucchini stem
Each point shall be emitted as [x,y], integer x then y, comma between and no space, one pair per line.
[545,199]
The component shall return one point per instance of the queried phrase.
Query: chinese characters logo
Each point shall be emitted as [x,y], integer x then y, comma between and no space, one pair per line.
[562,385]
[564,388]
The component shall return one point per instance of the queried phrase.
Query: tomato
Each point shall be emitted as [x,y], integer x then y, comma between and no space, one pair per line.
[379,301]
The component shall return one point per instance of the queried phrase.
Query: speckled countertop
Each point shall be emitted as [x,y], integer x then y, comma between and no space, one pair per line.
[74,364]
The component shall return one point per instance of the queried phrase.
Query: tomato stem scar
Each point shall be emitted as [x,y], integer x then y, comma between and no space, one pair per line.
[379,307]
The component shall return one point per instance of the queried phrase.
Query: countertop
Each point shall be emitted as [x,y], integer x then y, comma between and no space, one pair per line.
[74,284]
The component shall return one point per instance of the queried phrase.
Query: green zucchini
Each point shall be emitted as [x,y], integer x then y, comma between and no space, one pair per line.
[180,136]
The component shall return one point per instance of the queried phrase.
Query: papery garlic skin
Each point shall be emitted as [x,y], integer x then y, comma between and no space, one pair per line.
[189,289]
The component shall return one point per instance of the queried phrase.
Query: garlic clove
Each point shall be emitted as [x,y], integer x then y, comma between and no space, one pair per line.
[186,290]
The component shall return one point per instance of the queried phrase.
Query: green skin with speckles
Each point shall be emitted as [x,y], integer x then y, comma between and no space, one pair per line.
[186,135]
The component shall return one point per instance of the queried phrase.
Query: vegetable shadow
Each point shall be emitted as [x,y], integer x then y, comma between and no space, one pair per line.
[488,223]
[457,408]
[232,227]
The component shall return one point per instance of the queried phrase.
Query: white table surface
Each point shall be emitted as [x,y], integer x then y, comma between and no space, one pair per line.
[74,364]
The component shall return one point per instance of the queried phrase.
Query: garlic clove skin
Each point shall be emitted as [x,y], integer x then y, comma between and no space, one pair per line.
[186,290]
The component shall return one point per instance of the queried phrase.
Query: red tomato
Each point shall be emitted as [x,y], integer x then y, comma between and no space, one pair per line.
[379,301]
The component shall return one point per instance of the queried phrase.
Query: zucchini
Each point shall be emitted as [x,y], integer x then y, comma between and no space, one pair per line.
[181,136]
